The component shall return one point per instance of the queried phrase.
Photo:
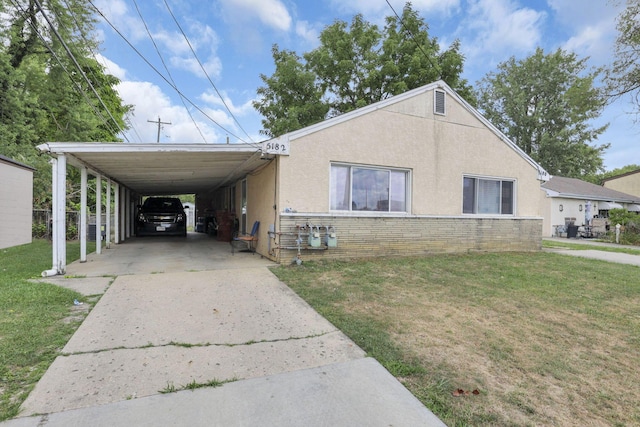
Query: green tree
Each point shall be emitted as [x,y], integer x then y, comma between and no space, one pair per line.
[290,99]
[600,177]
[354,66]
[623,77]
[49,78]
[410,58]
[545,104]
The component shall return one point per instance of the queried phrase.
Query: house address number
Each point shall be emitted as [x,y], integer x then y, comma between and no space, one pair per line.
[276,147]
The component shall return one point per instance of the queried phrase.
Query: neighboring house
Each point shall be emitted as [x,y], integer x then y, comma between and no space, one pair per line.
[16,202]
[579,203]
[627,183]
[421,172]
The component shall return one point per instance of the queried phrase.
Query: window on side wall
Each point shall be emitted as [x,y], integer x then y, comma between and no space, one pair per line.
[359,188]
[490,196]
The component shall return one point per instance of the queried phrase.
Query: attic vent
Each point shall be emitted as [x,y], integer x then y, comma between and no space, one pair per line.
[438,104]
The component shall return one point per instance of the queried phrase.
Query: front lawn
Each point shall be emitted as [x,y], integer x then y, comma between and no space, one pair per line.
[35,320]
[545,339]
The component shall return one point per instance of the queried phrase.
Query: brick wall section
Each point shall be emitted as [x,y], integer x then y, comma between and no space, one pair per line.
[365,237]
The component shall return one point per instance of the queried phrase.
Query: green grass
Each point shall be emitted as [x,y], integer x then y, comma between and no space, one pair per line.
[32,330]
[541,335]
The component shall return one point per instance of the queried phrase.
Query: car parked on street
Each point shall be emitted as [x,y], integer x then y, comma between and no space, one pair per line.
[161,215]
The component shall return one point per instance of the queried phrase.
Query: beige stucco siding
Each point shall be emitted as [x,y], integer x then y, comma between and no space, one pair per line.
[437,150]
[260,202]
[16,195]
[629,184]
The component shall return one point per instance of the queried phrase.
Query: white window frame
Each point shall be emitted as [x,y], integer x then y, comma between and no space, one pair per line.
[351,166]
[501,180]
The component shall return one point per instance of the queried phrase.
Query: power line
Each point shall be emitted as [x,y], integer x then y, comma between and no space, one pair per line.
[75,62]
[90,46]
[168,73]
[160,123]
[95,57]
[414,40]
[160,74]
[204,70]
[55,56]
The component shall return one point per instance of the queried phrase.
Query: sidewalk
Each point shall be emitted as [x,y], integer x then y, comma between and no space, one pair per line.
[616,257]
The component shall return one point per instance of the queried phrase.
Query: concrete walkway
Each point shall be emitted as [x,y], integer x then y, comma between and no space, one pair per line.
[172,320]
[616,257]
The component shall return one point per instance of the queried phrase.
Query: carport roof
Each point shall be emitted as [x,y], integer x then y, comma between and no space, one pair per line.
[155,169]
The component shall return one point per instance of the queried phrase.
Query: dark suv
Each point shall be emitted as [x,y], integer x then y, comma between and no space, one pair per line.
[161,215]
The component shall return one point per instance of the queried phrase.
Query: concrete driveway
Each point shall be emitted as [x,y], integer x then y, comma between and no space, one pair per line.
[181,314]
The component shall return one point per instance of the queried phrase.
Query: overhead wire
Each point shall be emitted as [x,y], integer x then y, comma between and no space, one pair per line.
[167,68]
[418,45]
[89,45]
[77,65]
[204,70]
[174,87]
[59,61]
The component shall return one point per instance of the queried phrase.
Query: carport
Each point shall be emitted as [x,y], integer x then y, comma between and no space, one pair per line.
[135,170]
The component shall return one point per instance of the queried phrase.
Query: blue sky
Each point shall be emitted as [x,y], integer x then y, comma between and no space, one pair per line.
[232,40]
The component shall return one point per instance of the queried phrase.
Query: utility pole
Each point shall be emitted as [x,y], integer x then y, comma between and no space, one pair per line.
[160,123]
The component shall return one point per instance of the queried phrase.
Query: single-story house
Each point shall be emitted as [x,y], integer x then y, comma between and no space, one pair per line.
[16,202]
[417,173]
[421,172]
[571,201]
[627,183]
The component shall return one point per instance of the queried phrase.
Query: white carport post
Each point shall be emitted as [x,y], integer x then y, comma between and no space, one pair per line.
[98,214]
[83,214]
[107,240]
[59,196]
[127,214]
[116,214]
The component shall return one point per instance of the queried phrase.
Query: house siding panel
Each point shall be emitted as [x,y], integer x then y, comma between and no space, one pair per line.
[16,196]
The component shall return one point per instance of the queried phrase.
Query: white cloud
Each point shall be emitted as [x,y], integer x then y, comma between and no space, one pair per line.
[272,13]
[213,99]
[381,8]
[213,66]
[112,9]
[151,103]
[308,32]
[594,27]
[500,25]
[111,67]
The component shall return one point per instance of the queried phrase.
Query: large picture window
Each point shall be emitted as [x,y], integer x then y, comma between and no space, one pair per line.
[488,196]
[356,188]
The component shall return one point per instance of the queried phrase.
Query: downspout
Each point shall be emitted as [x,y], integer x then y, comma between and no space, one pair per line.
[59,252]
[83,214]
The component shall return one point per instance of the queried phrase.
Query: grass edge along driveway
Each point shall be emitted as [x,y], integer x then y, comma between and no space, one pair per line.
[36,320]
[543,339]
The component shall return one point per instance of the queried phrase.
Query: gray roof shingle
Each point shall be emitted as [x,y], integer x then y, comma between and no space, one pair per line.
[577,189]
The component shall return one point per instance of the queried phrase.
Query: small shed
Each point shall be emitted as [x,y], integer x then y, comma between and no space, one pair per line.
[16,202]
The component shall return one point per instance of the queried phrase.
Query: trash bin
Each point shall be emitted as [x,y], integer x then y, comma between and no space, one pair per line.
[572,231]
[91,232]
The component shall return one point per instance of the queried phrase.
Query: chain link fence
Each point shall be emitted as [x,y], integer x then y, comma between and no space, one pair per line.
[41,226]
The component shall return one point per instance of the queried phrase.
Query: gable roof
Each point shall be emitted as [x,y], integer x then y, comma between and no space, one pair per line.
[621,175]
[573,188]
[543,175]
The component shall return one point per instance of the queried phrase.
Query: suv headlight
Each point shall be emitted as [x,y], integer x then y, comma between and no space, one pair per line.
[180,217]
